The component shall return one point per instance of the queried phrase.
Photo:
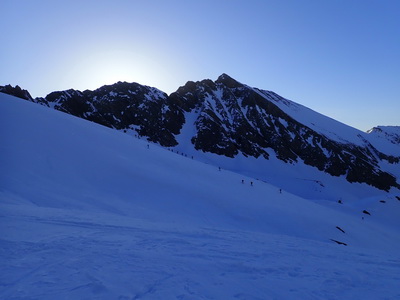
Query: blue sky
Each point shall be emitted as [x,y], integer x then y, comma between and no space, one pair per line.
[340,57]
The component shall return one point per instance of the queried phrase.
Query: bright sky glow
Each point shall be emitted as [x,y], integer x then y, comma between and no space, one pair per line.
[340,58]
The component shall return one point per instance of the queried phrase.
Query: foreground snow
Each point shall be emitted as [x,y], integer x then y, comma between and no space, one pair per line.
[48,254]
[89,213]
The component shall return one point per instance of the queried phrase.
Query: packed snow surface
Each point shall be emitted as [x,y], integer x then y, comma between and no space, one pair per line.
[90,213]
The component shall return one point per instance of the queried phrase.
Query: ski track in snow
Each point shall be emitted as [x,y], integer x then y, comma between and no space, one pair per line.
[89,260]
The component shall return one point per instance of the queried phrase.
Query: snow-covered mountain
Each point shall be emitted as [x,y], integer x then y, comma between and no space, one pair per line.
[233,120]
[87,212]
[391,133]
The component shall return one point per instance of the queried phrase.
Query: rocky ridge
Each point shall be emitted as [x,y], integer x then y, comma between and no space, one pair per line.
[229,118]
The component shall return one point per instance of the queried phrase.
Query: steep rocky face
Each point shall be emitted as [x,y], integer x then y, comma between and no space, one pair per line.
[16,91]
[234,118]
[229,118]
[123,106]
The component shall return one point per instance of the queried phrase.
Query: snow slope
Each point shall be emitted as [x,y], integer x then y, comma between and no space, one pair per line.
[390,133]
[329,127]
[90,213]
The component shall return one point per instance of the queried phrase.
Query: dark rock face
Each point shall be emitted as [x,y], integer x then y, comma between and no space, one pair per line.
[229,118]
[234,118]
[16,91]
[123,106]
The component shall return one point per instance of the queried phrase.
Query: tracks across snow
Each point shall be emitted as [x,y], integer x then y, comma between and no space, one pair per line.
[131,259]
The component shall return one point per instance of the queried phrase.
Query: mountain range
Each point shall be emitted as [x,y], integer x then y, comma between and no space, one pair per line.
[91,212]
[88,212]
[230,119]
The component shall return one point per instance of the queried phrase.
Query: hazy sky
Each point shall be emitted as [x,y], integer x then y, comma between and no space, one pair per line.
[338,57]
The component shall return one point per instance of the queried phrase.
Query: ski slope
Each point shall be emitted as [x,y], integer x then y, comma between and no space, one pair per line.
[90,213]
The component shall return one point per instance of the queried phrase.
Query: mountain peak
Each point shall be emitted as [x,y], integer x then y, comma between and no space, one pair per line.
[228,81]
[225,117]
[224,76]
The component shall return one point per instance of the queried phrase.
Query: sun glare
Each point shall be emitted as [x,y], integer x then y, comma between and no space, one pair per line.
[108,67]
